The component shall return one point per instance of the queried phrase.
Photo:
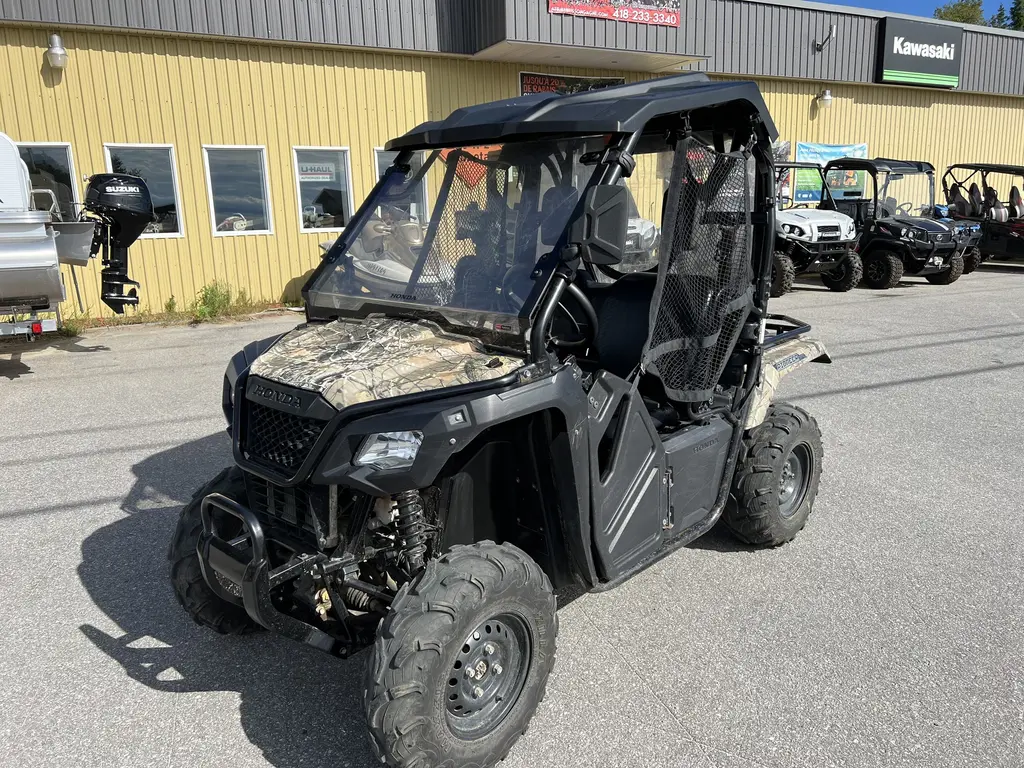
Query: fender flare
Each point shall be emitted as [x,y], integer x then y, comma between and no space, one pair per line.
[777,362]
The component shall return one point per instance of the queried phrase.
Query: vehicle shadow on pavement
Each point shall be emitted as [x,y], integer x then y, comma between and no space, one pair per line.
[299,706]
[15,355]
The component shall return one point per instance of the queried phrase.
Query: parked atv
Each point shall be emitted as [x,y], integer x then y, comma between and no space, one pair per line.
[1001,224]
[809,239]
[896,238]
[417,473]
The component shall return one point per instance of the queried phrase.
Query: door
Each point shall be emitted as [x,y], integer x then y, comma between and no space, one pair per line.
[628,478]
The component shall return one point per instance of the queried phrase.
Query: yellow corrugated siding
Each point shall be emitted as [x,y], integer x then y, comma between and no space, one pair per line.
[125,88]
[941,127]
[128,88]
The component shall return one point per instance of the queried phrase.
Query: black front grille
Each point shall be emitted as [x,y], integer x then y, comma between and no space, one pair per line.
[295,508]
[829,232]
[279,438]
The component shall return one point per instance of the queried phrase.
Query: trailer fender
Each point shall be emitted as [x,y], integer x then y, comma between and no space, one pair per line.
[778,361]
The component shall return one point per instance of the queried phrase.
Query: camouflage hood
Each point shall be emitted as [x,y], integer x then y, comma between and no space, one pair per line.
[349,361]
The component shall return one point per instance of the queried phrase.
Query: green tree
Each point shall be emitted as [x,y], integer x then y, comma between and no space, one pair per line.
[1017,15]
[964,12]
[1000,19]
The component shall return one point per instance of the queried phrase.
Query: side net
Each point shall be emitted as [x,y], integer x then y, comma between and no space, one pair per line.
[705,281]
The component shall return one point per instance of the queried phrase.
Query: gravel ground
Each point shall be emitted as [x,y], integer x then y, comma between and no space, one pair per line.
[888,634]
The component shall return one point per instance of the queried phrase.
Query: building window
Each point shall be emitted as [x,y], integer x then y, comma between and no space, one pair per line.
[155,164]
[322,176]
[50,168]
[416,208]
[239,195]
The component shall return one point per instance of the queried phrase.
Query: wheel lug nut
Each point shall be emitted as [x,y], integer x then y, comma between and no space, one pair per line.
[496,669]
[478,692]
[488,649]
[476,635]
[470,675]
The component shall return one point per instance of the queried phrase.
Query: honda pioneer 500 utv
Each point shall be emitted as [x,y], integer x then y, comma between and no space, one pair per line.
[418,469]
[896,238]
[808,239]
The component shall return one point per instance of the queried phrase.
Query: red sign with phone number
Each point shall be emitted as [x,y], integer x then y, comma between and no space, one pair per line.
[661,12]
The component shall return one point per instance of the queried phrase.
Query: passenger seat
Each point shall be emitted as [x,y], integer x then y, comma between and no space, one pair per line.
[994,209]
[1016,208]
[977,206]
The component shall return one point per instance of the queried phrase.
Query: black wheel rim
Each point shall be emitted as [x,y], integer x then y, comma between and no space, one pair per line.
[875,271]
[488,676]
[793,480]
[839,273]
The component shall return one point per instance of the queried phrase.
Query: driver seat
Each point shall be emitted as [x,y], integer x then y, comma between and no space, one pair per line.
[623,314]
[958,201]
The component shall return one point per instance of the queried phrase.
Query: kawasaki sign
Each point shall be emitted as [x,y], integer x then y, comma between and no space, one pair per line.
[918,53]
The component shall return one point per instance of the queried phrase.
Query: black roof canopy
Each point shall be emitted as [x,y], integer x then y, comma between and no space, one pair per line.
[713,105]
[881,165]
[1012,170]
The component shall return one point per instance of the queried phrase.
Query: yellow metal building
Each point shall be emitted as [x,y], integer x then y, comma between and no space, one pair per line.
[186,91]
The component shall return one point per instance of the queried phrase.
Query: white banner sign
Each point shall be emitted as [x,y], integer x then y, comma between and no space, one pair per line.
[316,171]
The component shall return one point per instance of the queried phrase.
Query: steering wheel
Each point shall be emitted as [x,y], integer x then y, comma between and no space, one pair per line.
[514,296]
[904,208]
[586,336]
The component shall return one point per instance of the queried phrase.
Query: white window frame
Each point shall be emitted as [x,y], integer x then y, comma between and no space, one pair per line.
[423,182]
[266,190]
[71,164]
[107,146]
[298,188]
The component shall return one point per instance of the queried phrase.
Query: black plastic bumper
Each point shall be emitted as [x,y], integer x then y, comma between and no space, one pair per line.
[825,255]
[251,573]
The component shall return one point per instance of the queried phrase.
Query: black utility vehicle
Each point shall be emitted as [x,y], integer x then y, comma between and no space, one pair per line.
[811,236]
[1002,223]
[897,237]
[418,471]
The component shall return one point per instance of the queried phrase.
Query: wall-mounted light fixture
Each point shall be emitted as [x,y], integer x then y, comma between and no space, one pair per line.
[56,54]
[825,98]
[819,47]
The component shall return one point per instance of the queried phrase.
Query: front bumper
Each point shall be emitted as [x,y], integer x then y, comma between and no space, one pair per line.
[249,572]
[823,255]
[930,258]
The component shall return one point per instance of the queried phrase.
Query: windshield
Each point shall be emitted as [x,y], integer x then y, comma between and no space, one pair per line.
[801,188]
[493,213]
[899,194]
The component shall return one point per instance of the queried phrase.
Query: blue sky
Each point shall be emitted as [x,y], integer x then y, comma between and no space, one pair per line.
[912,7]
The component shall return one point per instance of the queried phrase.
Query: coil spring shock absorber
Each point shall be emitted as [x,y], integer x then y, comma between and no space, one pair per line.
[412,528]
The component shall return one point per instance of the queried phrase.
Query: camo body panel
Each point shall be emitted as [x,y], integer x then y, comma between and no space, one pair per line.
[351,362]
[777,362]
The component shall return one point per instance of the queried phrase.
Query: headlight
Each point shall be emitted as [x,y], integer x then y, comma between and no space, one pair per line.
[389,450]
[648,237]
[851,228]
[786,228]
[797,231]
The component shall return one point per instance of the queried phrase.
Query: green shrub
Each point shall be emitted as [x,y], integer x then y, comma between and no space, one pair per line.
[213,300]
[171,306]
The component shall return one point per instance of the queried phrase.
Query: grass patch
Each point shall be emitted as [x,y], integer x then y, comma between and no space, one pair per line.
[214,301]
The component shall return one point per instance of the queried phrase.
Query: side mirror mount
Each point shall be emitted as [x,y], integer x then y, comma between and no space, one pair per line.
[598,234]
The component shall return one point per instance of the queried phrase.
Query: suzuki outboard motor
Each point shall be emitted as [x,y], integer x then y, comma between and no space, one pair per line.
[124,209]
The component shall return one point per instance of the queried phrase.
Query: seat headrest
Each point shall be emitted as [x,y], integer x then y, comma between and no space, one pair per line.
[555,207]
[975,196]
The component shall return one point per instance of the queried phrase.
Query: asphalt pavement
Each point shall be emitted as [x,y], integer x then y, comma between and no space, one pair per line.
[890,633]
